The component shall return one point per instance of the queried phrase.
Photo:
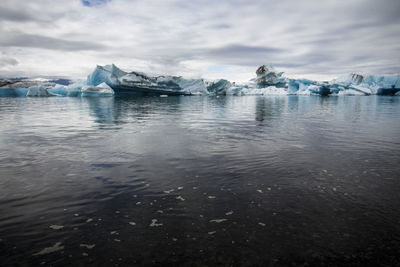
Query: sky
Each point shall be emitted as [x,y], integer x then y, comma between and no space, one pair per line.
[315,39]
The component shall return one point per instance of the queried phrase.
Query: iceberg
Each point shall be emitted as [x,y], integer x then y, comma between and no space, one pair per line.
[25,87]
[369,84]
[140,83]
[267,76]
[270,82]
[218,87]
[100,90]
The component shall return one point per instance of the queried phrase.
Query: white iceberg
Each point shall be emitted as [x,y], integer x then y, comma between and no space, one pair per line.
[100,90]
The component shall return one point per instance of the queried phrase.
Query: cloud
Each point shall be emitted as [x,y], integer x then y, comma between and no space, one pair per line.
[7,61]
[303,38]
[38,41]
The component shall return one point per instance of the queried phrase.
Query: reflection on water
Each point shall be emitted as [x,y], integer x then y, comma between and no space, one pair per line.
[269,181]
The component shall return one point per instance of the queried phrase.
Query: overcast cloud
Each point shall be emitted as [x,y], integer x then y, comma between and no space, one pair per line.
[318,39]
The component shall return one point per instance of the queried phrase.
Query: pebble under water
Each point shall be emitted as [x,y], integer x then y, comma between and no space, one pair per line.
[200,181]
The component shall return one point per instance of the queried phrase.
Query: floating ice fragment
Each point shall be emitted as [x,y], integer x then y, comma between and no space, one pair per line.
[211,233]
[212,197]
[259,191]
[87,246]
[114,233]
[229,213]
[100,90]
[163,95]
[180,187]
[89,220]
[117,240]
[169,191]
[85,254]
[154,223]
[132,223]
[76,214]
[218,220]
[180,198]
[56,227]
[57,247]
[138,203]
[262,224]
[174,239]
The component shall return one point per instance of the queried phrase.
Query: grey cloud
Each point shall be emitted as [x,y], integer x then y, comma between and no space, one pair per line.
[38,41]
[7,61]
[14,15]
[236,50]
[30,12]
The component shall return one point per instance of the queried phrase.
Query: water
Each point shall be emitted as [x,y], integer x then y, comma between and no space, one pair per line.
[200,181]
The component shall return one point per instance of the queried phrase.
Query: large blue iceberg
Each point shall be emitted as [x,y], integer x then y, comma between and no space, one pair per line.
[140,83]
[109,80]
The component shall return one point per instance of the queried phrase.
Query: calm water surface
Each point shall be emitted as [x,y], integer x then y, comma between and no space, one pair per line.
[200,181]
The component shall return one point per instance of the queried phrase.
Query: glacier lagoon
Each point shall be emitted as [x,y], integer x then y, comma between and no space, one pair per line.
[199,180]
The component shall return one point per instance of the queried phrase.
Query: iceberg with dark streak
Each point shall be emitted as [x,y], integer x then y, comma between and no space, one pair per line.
[140,83]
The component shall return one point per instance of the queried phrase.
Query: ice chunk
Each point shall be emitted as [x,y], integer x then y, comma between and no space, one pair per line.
[267,76]
[108,74]
[154,223]
[218,220]
[100,90]
[218,87]
[193,86]
[75,88]
[25,87]
[56,227]
[57,247]
[88,246]
[38,91]
[369,84]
